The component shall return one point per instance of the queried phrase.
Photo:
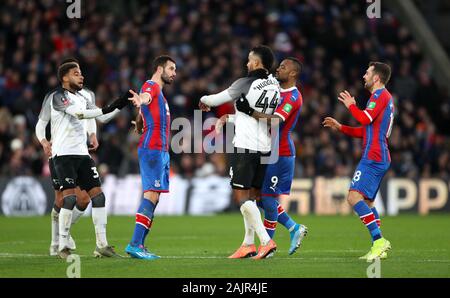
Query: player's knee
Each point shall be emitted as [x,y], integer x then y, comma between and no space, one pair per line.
[354,197]
[94,191]
[98,201]
[83,199]
[69,202]
[152,196]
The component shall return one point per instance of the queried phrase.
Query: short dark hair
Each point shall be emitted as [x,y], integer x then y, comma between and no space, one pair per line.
[161,61]
[383,70]
[266,55]
[65,68]
[68,60]
[298,65]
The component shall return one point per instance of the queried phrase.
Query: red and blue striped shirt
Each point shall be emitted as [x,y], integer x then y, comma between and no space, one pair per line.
[377,120]
[156,116]
[288,109]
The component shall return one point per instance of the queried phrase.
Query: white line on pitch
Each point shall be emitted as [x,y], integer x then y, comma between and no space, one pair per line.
[15,255]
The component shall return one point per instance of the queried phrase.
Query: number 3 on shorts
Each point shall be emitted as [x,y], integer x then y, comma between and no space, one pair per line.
[96,175]
[356,177]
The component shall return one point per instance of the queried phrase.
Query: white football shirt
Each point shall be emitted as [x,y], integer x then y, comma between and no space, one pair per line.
[263,95]
[68,132]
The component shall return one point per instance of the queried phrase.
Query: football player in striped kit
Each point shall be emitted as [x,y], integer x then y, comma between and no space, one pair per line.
[376,124]
[153,151]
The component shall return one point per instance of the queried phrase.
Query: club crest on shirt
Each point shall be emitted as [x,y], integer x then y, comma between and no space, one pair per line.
[65,101]
[157,183]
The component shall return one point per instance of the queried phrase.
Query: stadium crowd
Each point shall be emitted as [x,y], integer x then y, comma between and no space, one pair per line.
[115,42]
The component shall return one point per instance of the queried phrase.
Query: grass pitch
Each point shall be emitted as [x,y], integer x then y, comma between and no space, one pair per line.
[198,247]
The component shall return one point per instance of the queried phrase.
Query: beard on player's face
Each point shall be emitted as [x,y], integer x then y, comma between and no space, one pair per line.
[166,78]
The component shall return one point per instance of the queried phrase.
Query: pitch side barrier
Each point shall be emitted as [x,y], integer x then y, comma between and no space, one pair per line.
[28,196]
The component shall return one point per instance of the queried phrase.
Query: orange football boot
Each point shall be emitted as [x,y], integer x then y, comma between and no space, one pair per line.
[245,251]
[266,251]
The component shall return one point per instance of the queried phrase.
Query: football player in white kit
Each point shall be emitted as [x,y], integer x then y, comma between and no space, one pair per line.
[70,155]
[252,142]
[83,198]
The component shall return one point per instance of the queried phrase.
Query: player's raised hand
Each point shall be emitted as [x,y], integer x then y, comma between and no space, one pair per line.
[346,98]
[331,123]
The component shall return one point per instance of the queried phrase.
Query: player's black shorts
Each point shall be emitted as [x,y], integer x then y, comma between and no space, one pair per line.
[246,169]
[54,176]
[76,170]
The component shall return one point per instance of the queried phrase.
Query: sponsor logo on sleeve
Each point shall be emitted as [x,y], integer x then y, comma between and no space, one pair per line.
[287,108]
[371,105]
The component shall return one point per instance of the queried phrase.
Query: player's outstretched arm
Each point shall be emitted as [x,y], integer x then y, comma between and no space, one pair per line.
[95,112]
[139,99]
[355,132]
[215,100]
[117,105]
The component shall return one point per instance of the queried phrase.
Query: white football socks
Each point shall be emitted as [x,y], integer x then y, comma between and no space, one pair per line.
[251,211]
[249,237]
[76,215]
[55,227]
[65,221]
[99,219]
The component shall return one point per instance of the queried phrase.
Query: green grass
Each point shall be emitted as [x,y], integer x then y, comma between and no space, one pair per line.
[198,247]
